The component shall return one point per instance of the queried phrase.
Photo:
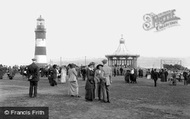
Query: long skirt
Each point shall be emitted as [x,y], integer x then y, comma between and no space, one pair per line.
[148,76]
[63,78]
[52,81]
[89,94]
[90,91]
[73,88]
[188,81]
[127,78]
[162,78]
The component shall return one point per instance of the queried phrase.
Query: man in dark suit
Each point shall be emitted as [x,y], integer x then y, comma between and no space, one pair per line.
[154,75]
[33,77]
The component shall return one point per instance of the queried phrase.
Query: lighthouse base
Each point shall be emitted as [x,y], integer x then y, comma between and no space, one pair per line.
[41,60]
[41,65]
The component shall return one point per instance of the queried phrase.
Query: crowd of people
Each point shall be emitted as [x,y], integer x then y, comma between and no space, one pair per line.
[10,71]
[131,75]
[168,75]
[171,76]
[98,82]
[98,79]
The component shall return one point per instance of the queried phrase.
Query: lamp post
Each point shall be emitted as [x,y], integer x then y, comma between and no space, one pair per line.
[85,60]
[60,61]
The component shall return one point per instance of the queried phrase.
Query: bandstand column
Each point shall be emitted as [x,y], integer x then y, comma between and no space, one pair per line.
[132,63]
[129,62]
[111,61]
[135,63]
[117,61]
[125,61]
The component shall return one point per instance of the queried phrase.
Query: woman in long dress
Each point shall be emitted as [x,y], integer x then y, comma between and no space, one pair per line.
[63,74]
[90,84]
[162,75]
[73,87]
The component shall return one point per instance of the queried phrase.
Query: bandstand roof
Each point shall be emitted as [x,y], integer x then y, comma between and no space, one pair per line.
[122,51]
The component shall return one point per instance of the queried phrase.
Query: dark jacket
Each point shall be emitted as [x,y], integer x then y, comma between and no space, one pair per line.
[185,74]
[155,75]
[52,73]
[33,70]
[90,79]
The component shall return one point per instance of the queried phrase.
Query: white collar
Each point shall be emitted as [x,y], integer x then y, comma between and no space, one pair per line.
[91,68]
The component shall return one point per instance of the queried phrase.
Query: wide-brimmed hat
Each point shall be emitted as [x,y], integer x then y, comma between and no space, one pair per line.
[55,66]
[97,67]
[91,63]
[104,61]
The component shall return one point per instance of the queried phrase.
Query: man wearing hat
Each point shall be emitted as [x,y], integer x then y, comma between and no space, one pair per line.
[33,77]
[108,75]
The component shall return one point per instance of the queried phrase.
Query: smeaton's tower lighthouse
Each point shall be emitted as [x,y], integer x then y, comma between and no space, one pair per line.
[40,42]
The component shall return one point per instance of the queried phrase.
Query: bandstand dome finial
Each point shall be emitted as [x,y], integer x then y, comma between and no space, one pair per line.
[40,18]
[122,40]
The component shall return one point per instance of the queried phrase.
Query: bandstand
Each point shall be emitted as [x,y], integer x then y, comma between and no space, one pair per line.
[121,57]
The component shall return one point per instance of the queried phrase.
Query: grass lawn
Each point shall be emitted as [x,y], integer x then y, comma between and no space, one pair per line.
[128,101]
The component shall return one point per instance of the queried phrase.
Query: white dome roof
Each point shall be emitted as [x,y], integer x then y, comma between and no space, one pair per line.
[121,50]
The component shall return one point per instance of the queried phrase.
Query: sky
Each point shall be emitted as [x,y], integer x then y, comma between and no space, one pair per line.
[91,28]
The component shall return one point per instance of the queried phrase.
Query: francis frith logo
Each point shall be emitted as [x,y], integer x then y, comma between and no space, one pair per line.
[160,21]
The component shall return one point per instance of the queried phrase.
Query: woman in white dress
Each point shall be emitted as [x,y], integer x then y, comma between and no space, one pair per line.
[148,74]
[63,74]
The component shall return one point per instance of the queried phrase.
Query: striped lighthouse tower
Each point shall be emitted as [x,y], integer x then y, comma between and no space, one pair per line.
[40,43]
